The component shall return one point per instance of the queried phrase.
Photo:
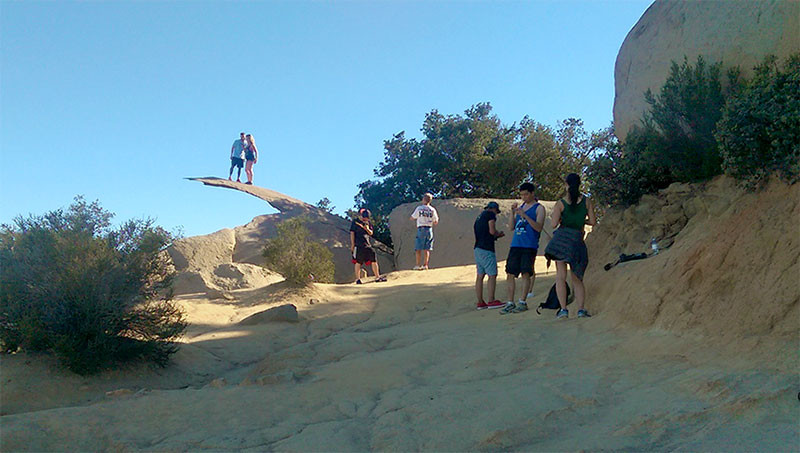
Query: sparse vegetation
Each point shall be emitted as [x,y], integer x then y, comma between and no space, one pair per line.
[93,295]
[292,254]
[695,129]
[759,133]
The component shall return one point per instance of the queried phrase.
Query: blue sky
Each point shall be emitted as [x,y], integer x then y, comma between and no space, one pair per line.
[119,101]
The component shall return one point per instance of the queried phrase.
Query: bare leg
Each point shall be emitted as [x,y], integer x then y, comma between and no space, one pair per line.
[358,271]
[375,269]
[511,286]
[529,286]
[419,257]
[561,283]
[427,257]
[248,170]
[492,287]
[580,291]
[526,286]
[479,287]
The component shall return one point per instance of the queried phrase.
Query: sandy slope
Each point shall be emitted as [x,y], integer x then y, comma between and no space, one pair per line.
[409,365]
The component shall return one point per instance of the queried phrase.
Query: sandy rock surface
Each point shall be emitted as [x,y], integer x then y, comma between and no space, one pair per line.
[692,349]
[735,32]
[231,258]
[454,237]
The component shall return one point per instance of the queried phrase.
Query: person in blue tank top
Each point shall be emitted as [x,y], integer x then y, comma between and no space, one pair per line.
[527,221]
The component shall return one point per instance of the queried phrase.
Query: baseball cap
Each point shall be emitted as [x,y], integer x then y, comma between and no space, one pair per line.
[492,205]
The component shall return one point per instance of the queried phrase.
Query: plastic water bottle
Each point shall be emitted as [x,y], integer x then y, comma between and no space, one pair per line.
[654,246]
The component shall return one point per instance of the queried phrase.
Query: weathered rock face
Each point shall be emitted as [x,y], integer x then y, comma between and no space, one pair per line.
[454,237]
[735,32]
[230,258]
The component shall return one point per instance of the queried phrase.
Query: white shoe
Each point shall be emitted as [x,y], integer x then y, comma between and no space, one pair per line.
[417,268]
[423,268]
[530,296]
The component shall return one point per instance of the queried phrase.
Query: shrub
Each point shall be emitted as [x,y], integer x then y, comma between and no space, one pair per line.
[93,295]
[294,256]
[759,133]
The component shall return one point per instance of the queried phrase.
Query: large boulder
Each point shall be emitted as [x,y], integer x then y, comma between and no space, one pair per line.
[454,237]
[231,258]
[734,32]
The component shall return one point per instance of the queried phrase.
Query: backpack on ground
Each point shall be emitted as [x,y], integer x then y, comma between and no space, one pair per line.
[552,300]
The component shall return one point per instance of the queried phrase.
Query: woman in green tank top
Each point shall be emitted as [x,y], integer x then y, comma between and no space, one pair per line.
[571,215]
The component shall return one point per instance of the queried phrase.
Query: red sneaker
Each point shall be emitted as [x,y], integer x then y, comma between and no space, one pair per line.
[481,306]
[495,304]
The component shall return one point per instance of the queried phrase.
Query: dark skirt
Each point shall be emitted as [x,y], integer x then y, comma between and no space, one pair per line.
[567,245]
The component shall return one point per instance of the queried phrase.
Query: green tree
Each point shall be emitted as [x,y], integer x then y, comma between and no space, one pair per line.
[292,254]
[759,132]
[472,155]
[92,294]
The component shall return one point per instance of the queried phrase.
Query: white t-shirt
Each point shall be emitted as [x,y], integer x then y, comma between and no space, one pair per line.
[425,215]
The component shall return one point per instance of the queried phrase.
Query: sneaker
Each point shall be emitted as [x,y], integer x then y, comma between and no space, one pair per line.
[521,306]
[417,268]
[562,313]
[382,278]
[583,314]
[250,183]
[509,308]
[495,304]
[358,282]
[481,306]
[238,180]
[423,268]
[530,296]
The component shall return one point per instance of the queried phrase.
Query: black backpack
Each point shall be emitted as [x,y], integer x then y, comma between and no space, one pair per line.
[552,300]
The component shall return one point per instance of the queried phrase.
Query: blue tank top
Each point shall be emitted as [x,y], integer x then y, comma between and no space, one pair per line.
[524,234]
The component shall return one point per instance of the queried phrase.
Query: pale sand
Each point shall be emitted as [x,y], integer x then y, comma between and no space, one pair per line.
[410,365]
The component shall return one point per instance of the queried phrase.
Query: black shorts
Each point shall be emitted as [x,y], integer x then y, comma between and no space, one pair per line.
[364,255]
[237,162]
[520,261]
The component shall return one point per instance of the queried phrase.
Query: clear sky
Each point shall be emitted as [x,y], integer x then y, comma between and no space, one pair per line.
[119,101]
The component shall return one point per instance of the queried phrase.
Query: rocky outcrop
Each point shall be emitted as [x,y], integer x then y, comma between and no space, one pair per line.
[734,32]
[454,237]
[231,258]
[729,267]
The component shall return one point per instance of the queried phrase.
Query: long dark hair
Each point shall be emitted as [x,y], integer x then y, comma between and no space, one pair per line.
[574,183]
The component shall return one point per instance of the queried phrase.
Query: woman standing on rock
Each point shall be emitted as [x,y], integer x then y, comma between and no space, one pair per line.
[570,216]
[251,156]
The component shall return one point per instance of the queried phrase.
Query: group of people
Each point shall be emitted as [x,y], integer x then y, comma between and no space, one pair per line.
[569,217]
[244,153]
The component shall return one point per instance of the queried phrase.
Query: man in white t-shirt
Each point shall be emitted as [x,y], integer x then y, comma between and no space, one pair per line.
[426,217]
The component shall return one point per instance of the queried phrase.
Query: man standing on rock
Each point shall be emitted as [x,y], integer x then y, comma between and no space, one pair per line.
[426,217]
[360,248]
[485,258]
[527,222]
[237,156]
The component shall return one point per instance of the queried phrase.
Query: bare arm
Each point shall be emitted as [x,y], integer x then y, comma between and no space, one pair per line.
[492,229]
[352,240]
[590,212]
[555,218]
[537,223]
[513,217]
[255,154]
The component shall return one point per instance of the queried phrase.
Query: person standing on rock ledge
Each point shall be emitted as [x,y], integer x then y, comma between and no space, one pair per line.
[362,251]
[567,246]
[251,156]
[237,156]
[426,217]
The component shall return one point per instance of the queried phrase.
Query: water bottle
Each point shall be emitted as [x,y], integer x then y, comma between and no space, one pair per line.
[654,246]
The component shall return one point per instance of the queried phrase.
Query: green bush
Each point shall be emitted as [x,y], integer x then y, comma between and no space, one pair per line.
[759,133]
[93,295]
[297,258]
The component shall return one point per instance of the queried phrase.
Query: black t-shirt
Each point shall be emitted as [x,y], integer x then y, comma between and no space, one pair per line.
[362,236]
[483,238]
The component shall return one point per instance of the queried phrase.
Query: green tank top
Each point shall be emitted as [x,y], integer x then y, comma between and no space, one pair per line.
[574,216]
